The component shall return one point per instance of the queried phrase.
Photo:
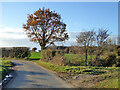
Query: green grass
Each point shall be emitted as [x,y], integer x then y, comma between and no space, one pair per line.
[6,63]
[35,56]
[78,57]
[71,57]
[74,56]
[5,67]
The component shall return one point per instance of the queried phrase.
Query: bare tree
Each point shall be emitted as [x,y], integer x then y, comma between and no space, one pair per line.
[85,39]
[45,27]
[101,41]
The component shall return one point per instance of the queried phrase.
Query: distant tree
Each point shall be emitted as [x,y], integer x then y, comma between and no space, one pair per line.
[34,49]
[45,27]
[85,39]
[101,41]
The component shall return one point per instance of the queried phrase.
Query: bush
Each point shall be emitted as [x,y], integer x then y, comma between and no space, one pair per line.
[74,50]
[47,55]
[21,52]
[17,52]
[118,51]
[66,61]
[59,53]
[118,62]
[110,60]
[100,62]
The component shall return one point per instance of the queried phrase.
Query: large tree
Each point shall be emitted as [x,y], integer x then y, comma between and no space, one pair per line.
[45,27]
[85,39]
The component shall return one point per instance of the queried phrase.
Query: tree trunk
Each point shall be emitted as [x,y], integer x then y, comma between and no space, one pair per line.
[43,47]
[86,57]
[96,59]
[43,41]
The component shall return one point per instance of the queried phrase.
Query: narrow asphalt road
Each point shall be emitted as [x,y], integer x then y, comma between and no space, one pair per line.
[30,75]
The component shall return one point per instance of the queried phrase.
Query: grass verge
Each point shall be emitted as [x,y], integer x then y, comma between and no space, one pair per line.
[5,68]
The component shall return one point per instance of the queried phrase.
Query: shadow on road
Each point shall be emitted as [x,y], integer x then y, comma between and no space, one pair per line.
[17,64]
[30,79]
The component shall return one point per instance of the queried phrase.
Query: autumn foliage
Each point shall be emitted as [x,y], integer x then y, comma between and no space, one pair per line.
[45,27]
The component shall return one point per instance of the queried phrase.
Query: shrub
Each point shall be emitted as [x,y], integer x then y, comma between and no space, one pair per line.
[100,62]
[110,60]
[59,60]
[66,61]
[17,52]
[21,52]
[47,55]
[59,53]
[118,62]
[118,51]
[74,50]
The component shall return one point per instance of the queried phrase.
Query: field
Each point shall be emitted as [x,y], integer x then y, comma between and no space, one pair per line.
[79,58]
[4,67]
[35,56]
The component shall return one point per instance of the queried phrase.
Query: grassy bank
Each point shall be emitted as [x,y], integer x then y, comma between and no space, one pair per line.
[77,69]
[106,76]
[5,67]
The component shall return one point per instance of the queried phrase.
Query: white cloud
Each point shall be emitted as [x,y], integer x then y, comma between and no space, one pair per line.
[13,37]
[10,37]
[8,33]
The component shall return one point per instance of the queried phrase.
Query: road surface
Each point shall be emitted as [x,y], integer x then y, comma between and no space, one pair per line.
[30,75]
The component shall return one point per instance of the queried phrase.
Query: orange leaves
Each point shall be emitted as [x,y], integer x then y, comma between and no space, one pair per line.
[62,31]
[38,39]
[34,22]
[45,26]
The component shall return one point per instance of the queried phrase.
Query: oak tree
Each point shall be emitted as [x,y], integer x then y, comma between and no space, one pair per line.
[45,27]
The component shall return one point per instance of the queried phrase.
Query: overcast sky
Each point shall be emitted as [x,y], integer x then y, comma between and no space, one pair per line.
[79,16]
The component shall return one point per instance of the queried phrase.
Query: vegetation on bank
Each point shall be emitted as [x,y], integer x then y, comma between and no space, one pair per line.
[104,74]
[77,69]
[107,77]
[5,67]
[71,59]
